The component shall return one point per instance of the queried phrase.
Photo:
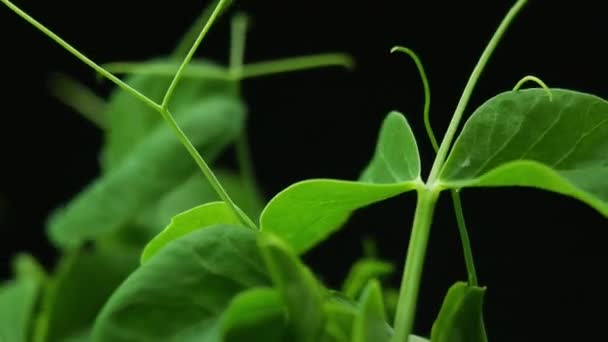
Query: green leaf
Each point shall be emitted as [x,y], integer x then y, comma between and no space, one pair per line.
[80,286]
[302,294]
[181,293]
[306,213]
[523,138]
[130,121]
[18,298]
[199,217]
[396,159]
[460,318]
[255,315]
[362,272]
[195,191]
[370,323]
[154,168]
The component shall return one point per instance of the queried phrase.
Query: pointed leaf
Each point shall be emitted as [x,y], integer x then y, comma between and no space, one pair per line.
[370,323]
[255,315]
[525,138]
[199,217]
[301,292]
[181,293]
[154,168]
[396,159]
[307,212]
[460,318]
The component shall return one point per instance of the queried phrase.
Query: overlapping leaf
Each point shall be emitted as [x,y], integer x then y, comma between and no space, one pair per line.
[526,138]
[155,167]
[181,293]
[307,212]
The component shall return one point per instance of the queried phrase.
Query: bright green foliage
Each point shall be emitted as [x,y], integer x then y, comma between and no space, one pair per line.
[460,318]
[205,215]
[79,287]
[301,292]
[306,213]
[181,293]
[396,159]
[524,138]
[255,315]
[370,323]
[153,168]
[230,283]
[362,272]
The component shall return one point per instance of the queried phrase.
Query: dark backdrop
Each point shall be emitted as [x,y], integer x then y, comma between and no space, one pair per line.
[542,256]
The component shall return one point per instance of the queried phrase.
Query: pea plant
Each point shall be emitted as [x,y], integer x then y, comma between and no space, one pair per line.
[161,254]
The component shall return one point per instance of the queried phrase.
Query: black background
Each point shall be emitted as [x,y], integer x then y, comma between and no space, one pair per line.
[542,256]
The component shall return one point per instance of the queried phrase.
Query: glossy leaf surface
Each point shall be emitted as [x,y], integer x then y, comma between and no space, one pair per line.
[307,212]
[181,293]
[461,316]
[525,138]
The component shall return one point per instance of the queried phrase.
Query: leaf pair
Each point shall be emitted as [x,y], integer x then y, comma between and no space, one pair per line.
[517,138]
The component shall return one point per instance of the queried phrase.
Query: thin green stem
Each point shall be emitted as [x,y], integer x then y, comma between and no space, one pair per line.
[184,45]
[427,92]
[188,58]
[408,293]
[291,64]
[238,41]
[414,263]
[531,78]
[251,70]
[204,167]
[80,56]
[79,97]
[162,109]
[468,90]
[464,239]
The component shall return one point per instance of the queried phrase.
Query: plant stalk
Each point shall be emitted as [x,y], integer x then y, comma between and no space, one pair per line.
[446,143]
[414,263]
[427,197]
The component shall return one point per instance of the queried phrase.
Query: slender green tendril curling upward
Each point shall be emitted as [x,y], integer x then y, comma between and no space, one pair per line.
[456,200]
[534,79]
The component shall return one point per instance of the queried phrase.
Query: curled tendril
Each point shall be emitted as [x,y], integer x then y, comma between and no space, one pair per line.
[530,78]
[427,92]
